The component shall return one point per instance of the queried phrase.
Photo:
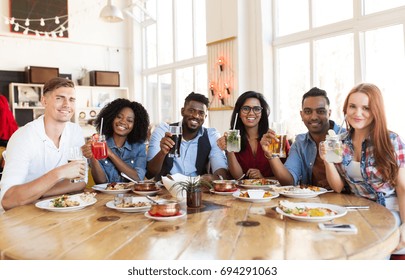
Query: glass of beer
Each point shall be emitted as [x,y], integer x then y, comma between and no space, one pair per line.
[233,141]
[75,154]
[99,147]
[176,132]
[278,147]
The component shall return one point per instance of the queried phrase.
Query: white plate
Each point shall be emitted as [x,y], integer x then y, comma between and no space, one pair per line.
[171,218]
[257,186]
[341,211]
[264,199]
[145,193]
[297,194]
[111,205]
[224,193]
[102,188]
[46,204]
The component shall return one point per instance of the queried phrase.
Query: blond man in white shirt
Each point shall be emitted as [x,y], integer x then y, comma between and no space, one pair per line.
[37,154]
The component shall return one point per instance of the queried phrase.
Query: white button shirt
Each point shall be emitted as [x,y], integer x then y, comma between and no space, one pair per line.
[31,153]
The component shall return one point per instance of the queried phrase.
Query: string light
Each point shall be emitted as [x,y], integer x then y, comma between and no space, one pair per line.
[27,22]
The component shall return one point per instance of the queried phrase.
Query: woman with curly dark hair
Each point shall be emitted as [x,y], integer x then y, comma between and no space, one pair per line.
[125,126]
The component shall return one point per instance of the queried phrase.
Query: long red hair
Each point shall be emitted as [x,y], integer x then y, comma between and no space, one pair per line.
[383,151]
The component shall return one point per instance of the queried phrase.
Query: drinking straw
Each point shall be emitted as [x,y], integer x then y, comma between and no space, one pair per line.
[234,123]
[101,126]
[344,119]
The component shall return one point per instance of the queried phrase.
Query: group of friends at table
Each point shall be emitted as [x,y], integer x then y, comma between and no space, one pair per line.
[373,161]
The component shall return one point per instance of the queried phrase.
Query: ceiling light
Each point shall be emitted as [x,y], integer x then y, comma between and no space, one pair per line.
[111,13]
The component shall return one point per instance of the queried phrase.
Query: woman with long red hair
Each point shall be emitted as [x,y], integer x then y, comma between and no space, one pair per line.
[373,163]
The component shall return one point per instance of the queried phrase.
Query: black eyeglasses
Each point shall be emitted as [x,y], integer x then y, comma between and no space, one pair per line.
[247,109]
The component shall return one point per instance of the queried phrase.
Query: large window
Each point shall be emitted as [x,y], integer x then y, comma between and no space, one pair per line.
[174,56]
[333,45]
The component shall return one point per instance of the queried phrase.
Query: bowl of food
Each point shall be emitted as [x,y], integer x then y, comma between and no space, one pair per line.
[224,185]
[145,186]
[165,208]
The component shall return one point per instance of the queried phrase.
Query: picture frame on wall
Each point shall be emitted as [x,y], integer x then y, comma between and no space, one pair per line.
[44,18]
[28,96]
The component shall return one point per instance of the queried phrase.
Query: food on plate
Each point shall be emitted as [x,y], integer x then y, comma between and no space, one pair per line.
[259,182]
[118,186]
[63,201]
[310,187]
[298,210]
[246,194]
[88,196]
[127,204]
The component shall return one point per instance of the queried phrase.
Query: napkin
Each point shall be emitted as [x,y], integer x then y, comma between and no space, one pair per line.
[177,192]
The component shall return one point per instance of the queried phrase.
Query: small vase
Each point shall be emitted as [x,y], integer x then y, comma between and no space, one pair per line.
[194,199]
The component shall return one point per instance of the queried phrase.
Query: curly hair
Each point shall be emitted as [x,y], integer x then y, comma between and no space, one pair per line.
[263,123]
[111,110]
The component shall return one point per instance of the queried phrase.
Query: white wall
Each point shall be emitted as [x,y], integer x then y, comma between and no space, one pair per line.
[242,19]
[92,43]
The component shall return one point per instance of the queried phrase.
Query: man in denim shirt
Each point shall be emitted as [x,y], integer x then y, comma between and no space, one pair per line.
[198,148]
[304,165]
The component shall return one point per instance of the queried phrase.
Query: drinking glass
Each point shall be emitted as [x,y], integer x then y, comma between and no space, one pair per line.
[75,154]
[278,148]
[333,147]
[233,141]
[99,147]
[176,132]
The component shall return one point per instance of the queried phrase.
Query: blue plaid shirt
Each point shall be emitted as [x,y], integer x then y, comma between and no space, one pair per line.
[372,186]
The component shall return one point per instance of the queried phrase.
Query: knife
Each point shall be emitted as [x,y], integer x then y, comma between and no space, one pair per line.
[356,206]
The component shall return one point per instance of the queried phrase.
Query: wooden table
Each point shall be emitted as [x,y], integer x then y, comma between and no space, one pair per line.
[224,228]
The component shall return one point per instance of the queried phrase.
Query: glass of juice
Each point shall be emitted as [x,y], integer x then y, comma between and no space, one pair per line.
[99,147]
[278,147]
[176,132]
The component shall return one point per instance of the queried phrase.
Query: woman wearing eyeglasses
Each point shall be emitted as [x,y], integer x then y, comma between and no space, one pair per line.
[251,111]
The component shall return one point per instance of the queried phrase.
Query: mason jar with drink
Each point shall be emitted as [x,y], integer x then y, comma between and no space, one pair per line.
[99,147]
[333,147]
[278,146]
[233,141]
[176,132]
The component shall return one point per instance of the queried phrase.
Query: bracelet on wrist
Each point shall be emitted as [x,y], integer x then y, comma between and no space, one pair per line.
[270,157]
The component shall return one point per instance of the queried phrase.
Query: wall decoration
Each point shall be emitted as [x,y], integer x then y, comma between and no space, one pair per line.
[222,85]
[39,17]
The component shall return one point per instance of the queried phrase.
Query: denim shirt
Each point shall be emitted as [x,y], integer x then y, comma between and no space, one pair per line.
[372,186]
[186,163]
[301,158]
[132,154]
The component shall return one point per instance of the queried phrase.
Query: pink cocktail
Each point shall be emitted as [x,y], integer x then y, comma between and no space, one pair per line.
[99,147]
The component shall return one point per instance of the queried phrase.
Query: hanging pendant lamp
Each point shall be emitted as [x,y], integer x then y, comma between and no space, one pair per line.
[111,13]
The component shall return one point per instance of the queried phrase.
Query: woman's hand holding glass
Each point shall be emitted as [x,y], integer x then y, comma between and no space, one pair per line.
[221,142]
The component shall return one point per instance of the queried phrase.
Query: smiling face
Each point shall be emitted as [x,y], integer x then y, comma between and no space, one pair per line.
[194,114]
[315,114]
[124,122]
[60,104]
[358,111]
[247,113]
